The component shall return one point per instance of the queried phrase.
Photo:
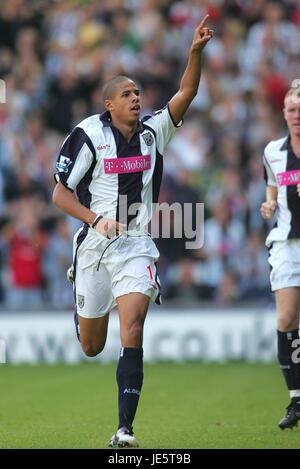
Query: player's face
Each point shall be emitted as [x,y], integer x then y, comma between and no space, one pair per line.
[292,115]
[126,103]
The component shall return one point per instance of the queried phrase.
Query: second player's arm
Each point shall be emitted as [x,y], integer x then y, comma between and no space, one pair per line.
[268,207]
[271,194]
[180,102]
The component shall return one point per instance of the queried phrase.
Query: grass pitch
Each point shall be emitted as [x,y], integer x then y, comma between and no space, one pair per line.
[191,405]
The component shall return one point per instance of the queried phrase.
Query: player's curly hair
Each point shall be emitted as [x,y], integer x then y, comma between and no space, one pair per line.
[293,92]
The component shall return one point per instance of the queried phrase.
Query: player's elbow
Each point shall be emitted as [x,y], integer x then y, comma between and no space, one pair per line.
[57,195]
[54,197]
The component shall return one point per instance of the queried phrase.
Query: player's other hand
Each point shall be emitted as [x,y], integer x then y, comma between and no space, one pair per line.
[268,209]
[109,228]
[202,35]
[298,189]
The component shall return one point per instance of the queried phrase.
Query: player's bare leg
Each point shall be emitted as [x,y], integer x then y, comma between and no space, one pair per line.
[288,307]
[93,334]
[132,313]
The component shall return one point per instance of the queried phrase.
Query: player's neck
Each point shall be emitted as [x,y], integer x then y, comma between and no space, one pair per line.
[126,129]
[295,143]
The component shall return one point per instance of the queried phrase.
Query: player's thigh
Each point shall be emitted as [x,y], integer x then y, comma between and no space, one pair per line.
[93,333]
[288,307]
[93,291]
[134,284]
[284,259]
[137,275]
[132,307]
[94,300]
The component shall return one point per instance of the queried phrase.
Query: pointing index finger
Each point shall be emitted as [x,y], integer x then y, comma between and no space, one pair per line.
[203,22]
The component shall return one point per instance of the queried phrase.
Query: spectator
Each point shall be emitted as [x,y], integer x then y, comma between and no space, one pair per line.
[54,57]
[56,262]
[26,243]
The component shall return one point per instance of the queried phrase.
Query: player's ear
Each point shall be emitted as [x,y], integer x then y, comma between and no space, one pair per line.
[108,105]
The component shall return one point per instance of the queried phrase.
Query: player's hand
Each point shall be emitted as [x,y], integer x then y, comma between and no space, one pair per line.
[268,209]
[109,228]
[298,189]
[202,35]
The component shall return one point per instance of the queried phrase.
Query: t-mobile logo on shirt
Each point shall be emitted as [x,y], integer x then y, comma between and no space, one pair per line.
[133,164]
[289,178]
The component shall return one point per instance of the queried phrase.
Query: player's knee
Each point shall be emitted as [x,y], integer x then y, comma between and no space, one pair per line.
[91,349]
[287,322]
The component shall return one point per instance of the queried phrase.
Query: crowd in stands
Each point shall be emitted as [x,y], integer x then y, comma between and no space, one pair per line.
[54,57]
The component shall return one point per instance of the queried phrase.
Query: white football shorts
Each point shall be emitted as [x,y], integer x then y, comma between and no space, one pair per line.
[285,263]
[108,268]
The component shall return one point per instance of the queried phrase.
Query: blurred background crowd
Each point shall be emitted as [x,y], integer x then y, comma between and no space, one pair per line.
[54,57]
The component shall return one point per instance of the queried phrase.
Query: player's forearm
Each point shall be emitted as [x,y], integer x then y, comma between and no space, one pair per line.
[67,201]
[189,83]
[191,77]
[271,193]
[179,104]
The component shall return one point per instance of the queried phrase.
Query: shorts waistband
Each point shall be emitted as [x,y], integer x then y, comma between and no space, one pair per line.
[137,233]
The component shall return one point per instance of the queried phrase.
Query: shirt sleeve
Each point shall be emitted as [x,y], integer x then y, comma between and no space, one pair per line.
[269,176]
[75,159]
[164,127]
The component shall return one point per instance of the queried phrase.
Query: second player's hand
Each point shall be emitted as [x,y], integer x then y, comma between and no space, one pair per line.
[109,228]
[268,209]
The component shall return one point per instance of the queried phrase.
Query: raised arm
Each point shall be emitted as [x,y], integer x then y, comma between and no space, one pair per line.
[180,102]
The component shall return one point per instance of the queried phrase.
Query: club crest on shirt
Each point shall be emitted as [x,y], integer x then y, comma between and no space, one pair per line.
[148,138]
[80,301]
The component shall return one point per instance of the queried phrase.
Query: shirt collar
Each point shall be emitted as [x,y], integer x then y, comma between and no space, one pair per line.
[105,118]
[286,144]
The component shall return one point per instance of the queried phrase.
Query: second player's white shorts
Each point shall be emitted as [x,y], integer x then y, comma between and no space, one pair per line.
[108,268]
[285,262]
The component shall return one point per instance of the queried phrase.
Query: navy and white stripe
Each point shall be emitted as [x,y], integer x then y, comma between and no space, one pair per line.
[80,164]
[279,158]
